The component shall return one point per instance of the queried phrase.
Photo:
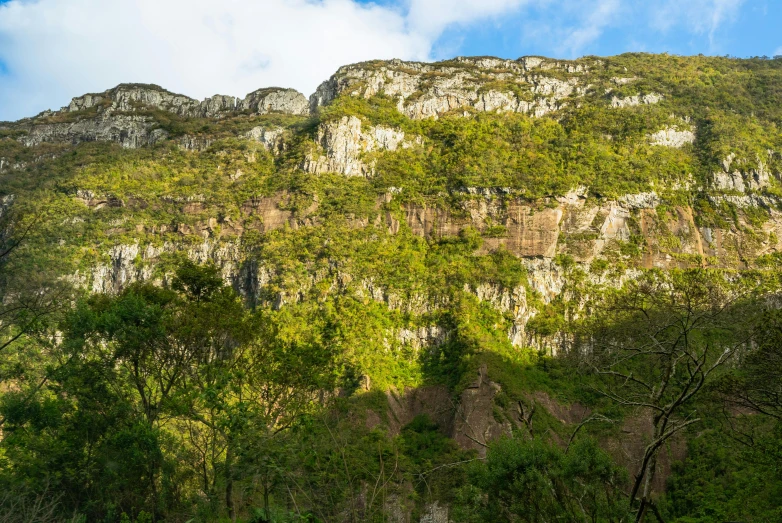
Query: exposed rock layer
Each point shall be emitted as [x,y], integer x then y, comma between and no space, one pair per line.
[125,115]
[425,90]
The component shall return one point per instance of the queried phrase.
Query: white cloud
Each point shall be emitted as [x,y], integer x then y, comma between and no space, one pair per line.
[568,27]
[723,11]
[702,16]
[778,52]
[56,49]
[431,17]
[595,18]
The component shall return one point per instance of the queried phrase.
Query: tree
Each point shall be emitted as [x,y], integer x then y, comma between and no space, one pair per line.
[27,294]
[246,382]
[656,344]
[153,375]
[757,383]
[534,481]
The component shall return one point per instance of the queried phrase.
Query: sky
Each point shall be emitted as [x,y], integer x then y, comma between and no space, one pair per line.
[53,50]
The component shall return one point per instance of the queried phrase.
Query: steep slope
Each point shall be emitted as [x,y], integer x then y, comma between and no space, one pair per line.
[414,196]
[443,225]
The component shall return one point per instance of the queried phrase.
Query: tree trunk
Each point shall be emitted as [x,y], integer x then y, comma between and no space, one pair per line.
[647,489]
[229,484]
[266,501]
[650,474]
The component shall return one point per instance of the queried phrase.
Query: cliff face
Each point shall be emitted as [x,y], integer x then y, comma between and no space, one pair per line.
[131,98]
[124,114]
[342,143]
[481,84]
[514,190]
[720,209]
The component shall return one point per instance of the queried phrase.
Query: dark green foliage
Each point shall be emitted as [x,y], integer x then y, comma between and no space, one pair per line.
[723,480]
[128,367]
[533,481]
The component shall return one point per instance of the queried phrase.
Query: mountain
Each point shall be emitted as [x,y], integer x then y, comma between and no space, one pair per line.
[640,161]
[413,205]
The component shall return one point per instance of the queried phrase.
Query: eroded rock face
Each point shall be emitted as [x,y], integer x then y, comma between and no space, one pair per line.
[434,401]
[529,231]
[474,422]
[631,101]
[422,337]
[644,200]
[129,263]
[483,84]
[270,138]
[120,271]
[583,229]
[545,277]
[341,144]
[136,97]
[274,100]
[508,301]
[736,176]
[122,115]
[195,143]
[129,131]
[672,137]
[470,420]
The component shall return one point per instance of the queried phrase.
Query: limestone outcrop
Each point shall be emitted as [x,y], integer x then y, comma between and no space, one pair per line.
[424,90]
[126,115]
[512,302]
[195,143]
[130,98]
[274,100]
[130,131]
[272,138]
[740,176]
[672,137]
[632,101]
[342,143]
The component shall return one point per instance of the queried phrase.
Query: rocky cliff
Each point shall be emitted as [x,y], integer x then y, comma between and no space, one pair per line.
[531,85]
[124,114]
[511,191]
[723,216]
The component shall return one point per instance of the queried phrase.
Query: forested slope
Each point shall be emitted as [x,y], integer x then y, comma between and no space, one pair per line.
[471,290]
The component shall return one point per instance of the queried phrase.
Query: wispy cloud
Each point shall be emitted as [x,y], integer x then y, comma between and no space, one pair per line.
[778,52]
[700,16]
[595,17]
[430,18]
[722,10]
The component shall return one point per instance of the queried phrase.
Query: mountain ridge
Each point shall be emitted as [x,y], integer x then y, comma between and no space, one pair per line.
[158,88]
[615,168]
[448,232]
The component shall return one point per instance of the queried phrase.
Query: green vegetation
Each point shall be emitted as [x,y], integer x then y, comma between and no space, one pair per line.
[488,325]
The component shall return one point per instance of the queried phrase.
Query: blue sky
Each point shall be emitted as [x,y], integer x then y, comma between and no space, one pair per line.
[52,50]
[752,28]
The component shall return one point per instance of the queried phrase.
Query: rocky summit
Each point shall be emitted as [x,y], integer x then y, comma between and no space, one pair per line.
[438,223]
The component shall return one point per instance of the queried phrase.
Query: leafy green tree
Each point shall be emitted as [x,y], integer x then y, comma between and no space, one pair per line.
[657,343]
[535,481]
[151,376]
[731,472]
